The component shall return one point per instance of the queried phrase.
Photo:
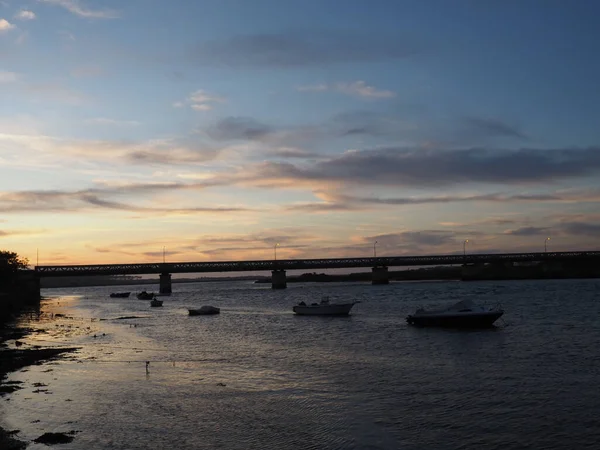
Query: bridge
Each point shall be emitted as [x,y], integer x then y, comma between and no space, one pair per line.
[278,268]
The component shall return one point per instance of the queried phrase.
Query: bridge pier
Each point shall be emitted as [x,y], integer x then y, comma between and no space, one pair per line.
[380,275]
[165,283]
[278,279]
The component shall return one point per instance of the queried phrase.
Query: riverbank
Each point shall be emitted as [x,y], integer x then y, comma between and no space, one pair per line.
[16,355]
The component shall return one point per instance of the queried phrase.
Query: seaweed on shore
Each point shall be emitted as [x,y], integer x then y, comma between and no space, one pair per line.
[13,360]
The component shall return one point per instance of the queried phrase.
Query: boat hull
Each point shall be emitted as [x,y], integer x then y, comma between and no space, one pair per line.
[324,310]
[156,303]
[120,294]
[472,320]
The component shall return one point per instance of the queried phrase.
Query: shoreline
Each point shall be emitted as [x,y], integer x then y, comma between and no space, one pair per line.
[12,360]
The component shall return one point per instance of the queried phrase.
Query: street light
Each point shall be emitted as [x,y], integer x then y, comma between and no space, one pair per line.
[375,250]
[163,255]
[546,244]
[275,250]
[465,247]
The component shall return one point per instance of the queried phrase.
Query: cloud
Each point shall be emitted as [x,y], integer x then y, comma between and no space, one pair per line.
[426,168]
[75,7]
[25,15]
[5,26]
[253,130]
[582,228]
[200,100]
[112,122]
[90,200]
[355,88]
[289,49]
[55,92]
[344,202]
[88,71]
[486,127]
[48,150]
[67,35]
[8,77]
[313,88]
[7,233]
[361,89]
[239,128]
[527,231]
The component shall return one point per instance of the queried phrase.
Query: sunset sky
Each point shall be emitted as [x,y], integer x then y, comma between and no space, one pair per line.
[218,128]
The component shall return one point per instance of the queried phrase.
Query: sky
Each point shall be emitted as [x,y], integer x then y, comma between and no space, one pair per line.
[233,129]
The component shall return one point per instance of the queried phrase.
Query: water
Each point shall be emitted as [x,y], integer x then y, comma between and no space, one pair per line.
[256,376]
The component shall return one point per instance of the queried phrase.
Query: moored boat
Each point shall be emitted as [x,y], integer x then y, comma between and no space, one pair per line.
[325,308]
[145,295]
[204,311]
[155,302]
[120,294]
[464,314]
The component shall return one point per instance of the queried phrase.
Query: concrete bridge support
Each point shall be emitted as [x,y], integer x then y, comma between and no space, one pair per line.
[278,279]
[165,283]
[380,275]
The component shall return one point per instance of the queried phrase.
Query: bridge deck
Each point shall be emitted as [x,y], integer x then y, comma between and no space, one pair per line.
[306,264]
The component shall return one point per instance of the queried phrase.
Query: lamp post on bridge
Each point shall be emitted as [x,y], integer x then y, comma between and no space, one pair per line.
[163,255]
[546,244]
[375,249]
[465,248]
[275,250]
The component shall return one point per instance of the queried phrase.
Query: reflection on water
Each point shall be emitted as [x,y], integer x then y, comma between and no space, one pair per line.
[256,376]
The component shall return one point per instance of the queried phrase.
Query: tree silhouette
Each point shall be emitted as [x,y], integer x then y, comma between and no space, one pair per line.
[12,262]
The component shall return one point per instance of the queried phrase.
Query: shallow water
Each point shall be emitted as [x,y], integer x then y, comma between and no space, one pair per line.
[256,376]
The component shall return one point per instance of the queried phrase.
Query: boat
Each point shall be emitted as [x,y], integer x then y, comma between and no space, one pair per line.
[464,314]
[204,311]
[156,302]
[120,294]
[325,308]
[145,295]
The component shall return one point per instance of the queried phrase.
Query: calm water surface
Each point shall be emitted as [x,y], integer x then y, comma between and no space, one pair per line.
[256,376]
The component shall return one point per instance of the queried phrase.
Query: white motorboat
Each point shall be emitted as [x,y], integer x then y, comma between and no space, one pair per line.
[325,308]
[464,314]
[204,311]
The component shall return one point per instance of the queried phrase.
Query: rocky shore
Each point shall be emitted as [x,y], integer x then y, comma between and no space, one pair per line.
[13,359]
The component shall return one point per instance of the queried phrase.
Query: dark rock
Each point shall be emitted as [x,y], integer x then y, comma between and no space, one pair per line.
[54,438]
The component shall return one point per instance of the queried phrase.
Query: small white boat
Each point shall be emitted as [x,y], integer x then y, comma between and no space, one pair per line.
[155,302]
[204,311]
[464,314]
[325,308]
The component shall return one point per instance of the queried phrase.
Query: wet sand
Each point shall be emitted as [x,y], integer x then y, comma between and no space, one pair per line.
[16,355]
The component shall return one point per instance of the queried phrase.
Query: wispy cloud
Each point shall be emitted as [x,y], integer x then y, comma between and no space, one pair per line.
[333,201]
[66,35]
[200,100]
[489,127]
[313,88]
[77,8]
[362,89]
[112,122]
[356,88]
[55,92]
[90,200]
[87,71]
[289,49]
[25,15]
[5,26]
[45,150]
[8,77]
